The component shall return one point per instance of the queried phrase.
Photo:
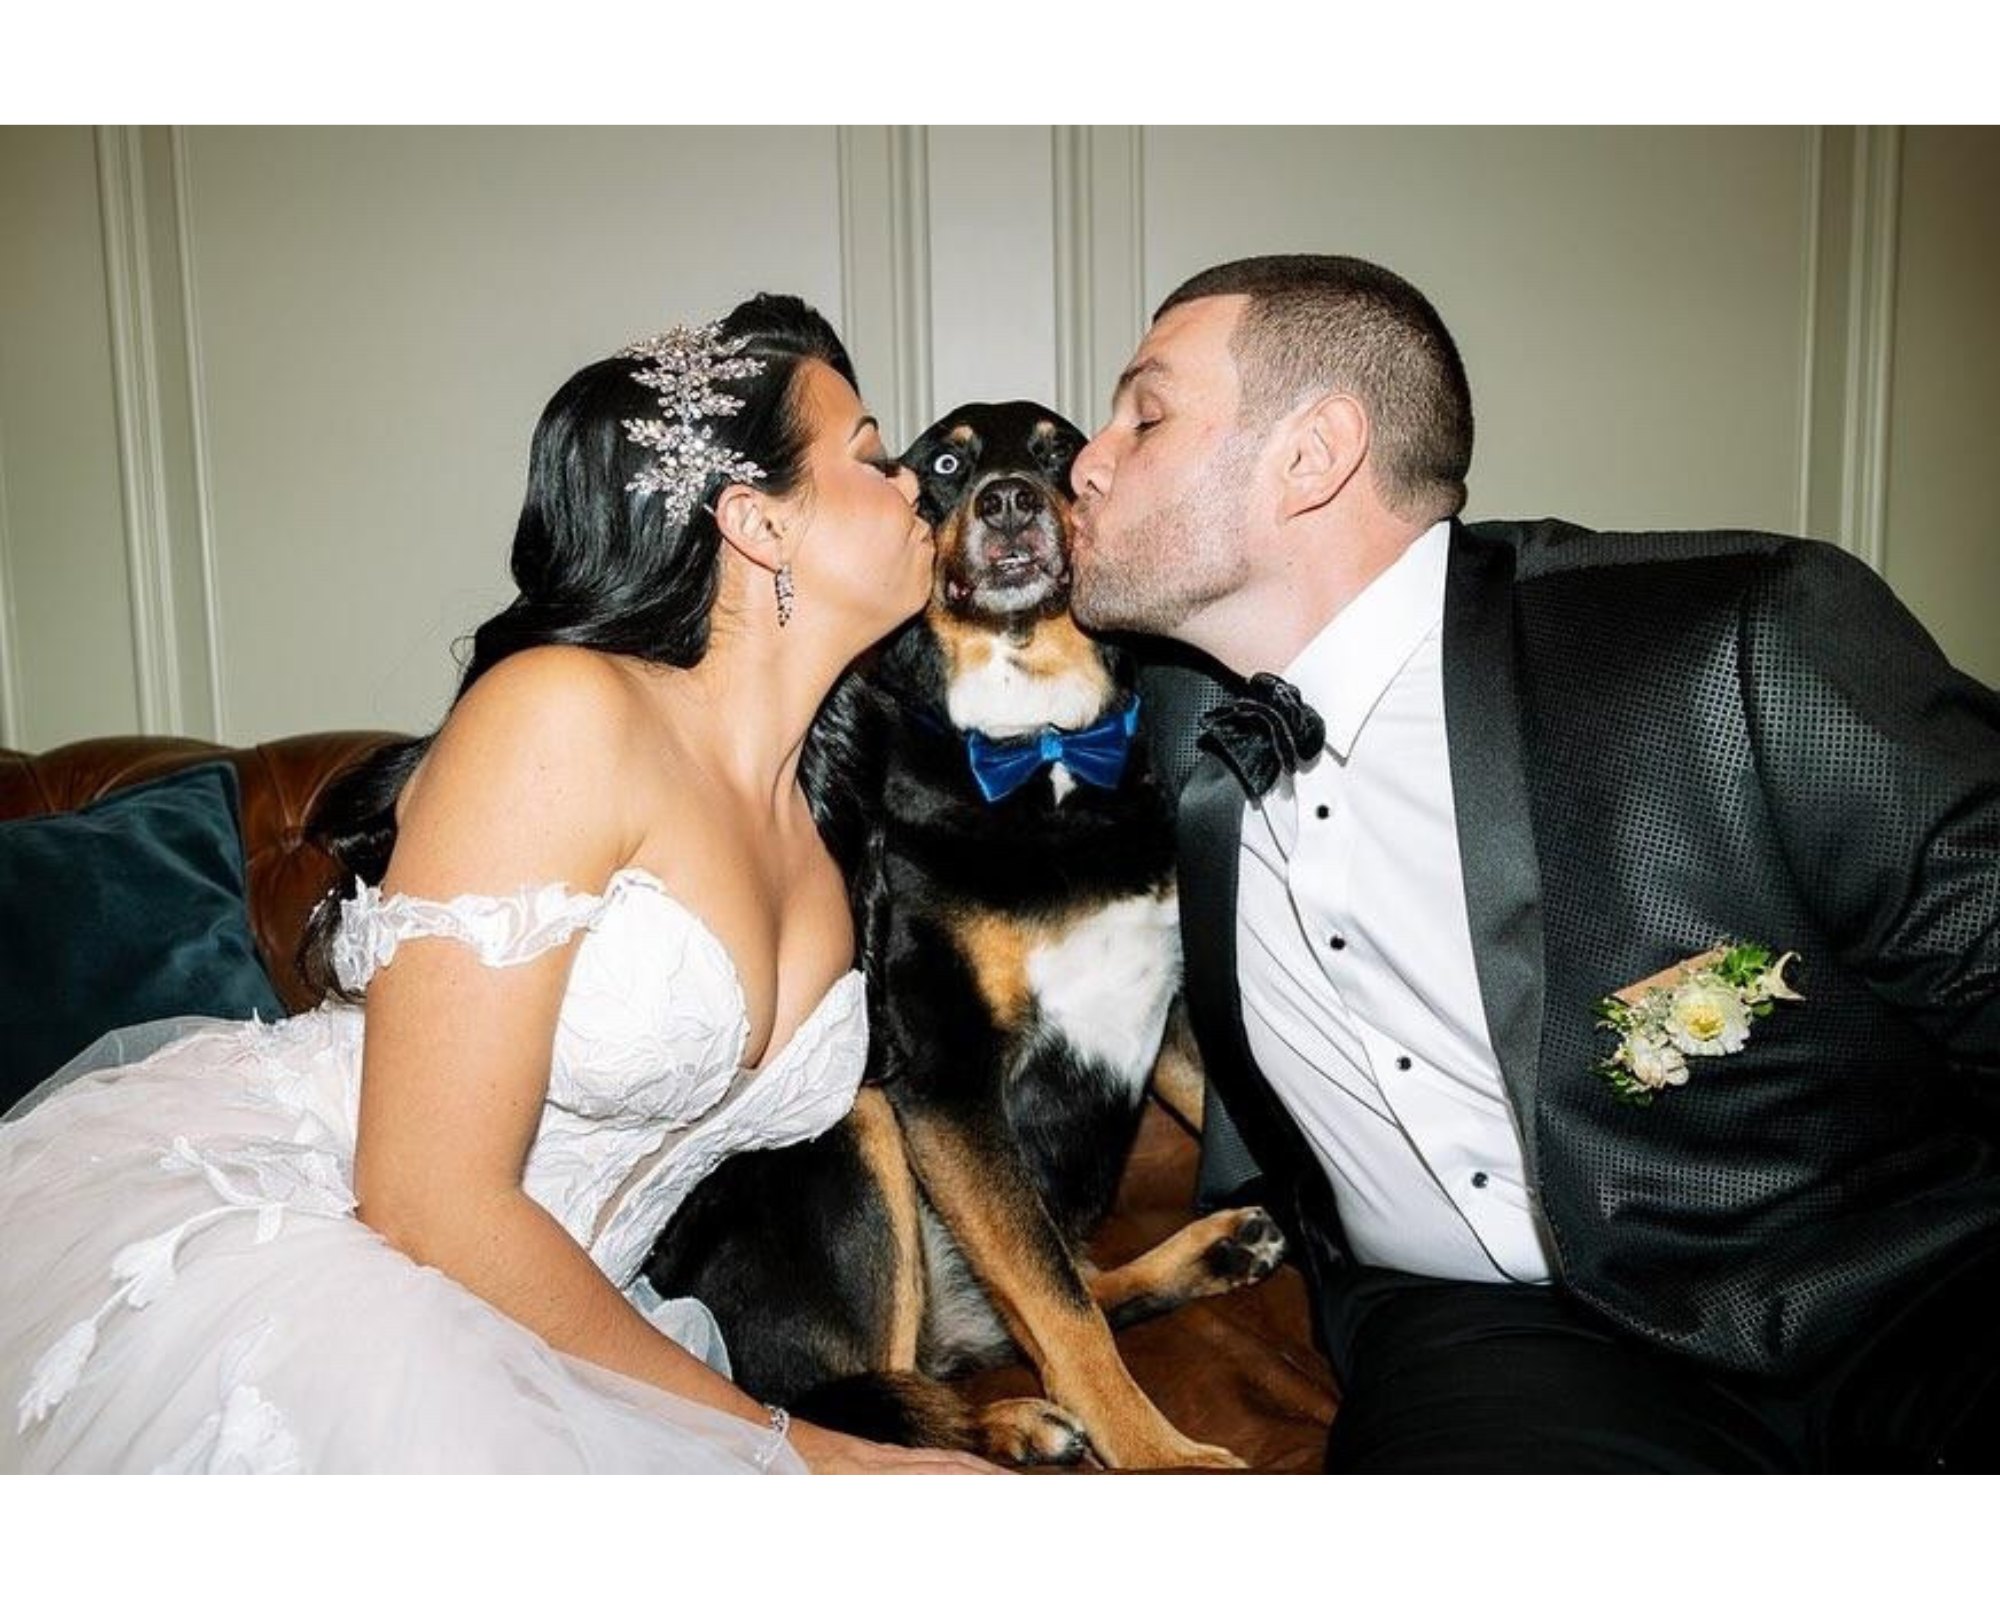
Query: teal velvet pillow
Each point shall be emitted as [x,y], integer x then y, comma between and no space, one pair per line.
[129,909]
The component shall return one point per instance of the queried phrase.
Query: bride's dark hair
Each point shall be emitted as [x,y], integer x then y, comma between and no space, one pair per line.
[602,566]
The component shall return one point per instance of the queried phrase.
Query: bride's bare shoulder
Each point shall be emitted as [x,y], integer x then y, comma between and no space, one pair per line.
[553,730]
[553,687]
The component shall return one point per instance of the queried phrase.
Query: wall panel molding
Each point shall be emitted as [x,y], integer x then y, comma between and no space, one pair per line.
[13,724]
[1878,162]
[1809,240]
[142,466]
[885,277]
[155,382]
[1854,224]
[200,464]
[1075,269]
[910,234]
[1100,265]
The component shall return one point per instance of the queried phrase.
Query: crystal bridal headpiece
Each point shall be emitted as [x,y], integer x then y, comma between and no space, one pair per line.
[684,365]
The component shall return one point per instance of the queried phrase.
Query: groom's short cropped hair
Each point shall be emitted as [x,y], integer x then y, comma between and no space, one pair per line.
[1317,324]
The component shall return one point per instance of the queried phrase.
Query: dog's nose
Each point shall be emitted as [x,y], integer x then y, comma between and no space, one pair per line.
[1007,505]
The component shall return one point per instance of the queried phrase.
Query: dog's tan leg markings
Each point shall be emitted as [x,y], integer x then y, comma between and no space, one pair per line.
[1178,1078]
[996,952]
[881,1142]
[1001,1225]
[1211,1255]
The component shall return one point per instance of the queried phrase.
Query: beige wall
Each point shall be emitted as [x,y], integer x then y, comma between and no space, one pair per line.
[1629,302]
[66,654]
[383,314]
[1941,538]
[265,394]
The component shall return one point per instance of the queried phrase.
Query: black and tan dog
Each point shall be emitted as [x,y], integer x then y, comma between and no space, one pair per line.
[1020,937]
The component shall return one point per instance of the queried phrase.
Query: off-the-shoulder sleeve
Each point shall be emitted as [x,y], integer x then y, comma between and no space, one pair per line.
[505,930]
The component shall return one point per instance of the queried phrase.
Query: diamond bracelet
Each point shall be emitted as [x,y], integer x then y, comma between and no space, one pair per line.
[780,1427]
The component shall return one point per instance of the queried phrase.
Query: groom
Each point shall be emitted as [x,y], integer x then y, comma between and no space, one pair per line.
[1515,769]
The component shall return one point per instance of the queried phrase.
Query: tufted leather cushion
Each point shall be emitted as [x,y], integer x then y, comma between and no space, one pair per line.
[279,782]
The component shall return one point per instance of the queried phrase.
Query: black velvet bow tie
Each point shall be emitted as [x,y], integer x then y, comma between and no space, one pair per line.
[1267,730]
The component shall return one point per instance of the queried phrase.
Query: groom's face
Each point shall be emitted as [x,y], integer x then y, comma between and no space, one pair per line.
[1163,489]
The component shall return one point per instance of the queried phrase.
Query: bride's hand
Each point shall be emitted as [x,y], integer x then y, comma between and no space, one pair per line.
[827,1451]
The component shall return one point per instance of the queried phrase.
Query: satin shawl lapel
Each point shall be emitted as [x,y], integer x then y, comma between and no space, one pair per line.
[1496,837]
[1211,830]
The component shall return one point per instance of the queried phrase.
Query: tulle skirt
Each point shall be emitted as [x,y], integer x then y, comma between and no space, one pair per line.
[184,1288]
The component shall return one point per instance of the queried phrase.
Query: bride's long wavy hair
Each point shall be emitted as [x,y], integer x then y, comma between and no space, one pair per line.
[607,568]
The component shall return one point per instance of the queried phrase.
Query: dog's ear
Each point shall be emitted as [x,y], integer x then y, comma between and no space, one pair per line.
[1057,449]
[920,447]
[1072,439]
[1068,434]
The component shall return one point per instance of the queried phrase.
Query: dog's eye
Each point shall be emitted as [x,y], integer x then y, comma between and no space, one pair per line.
[946,465]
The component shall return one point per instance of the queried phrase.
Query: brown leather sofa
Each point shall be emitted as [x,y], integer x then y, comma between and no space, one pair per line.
[1240,1371]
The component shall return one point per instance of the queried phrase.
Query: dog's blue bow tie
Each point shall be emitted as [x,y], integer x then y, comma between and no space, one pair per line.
[1094,755]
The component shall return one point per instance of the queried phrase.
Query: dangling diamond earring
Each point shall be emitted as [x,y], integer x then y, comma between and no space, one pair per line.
[782,583]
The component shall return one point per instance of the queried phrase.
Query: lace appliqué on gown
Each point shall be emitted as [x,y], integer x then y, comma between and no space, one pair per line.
[267,1184]
[798,1095]
[245,1433]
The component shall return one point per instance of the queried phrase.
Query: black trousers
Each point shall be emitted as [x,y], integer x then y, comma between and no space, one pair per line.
[1454,1377]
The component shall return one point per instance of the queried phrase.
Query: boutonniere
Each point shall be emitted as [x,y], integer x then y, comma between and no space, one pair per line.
[1703,1006]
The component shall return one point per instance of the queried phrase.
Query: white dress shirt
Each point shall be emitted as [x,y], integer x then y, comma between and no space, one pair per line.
[1354,952]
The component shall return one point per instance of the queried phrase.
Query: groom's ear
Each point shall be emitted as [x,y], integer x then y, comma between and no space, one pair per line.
[744,517]
[1325,444]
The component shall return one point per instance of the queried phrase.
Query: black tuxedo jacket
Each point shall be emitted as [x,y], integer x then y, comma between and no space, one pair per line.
[1658,742]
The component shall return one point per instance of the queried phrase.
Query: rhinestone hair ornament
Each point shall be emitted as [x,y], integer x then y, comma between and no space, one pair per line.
[684,365]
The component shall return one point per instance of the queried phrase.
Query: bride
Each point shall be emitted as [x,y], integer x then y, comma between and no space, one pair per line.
[602,945]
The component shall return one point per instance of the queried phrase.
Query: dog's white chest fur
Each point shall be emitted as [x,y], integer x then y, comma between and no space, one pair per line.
[1107,983]
[1003,701]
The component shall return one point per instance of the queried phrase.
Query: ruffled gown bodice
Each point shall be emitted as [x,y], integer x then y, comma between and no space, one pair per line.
[645,1094]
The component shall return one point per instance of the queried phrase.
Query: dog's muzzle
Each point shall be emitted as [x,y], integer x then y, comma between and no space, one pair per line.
[1015,551]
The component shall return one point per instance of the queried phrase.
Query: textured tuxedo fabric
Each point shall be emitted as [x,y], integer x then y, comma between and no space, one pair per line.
[1659,742]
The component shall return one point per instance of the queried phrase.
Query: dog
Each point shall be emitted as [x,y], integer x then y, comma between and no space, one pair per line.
[1017,922]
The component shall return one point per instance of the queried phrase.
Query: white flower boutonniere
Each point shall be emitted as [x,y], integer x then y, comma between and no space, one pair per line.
[1703,1006]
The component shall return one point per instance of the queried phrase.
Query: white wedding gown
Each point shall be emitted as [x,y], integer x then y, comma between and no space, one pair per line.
[184,1286]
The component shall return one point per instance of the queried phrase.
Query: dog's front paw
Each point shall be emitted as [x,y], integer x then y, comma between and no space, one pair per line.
[1176,1452]
[1213,1458]
[1249,1249]
[1031,1433]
